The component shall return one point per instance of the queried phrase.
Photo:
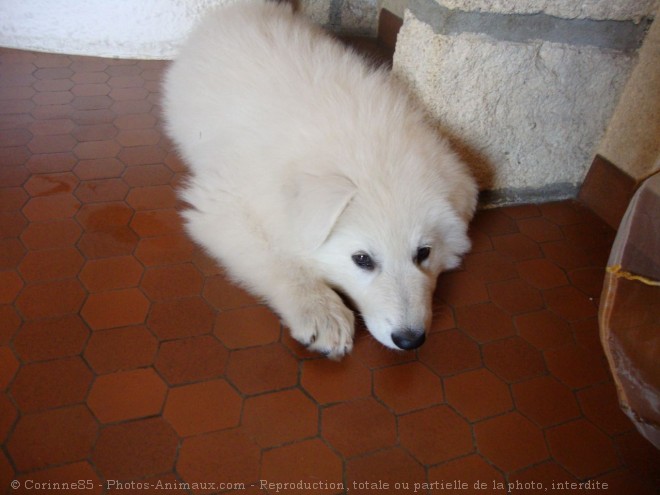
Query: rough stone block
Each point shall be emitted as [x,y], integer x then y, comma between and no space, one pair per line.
[570,9]
[527,112]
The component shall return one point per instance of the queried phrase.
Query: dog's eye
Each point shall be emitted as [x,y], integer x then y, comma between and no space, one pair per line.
[364,261]
[422,254]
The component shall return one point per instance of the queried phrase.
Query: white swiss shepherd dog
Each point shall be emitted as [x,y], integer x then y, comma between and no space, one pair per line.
[313,173]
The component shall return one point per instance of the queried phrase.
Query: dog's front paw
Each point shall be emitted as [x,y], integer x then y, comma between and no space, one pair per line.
[326,327]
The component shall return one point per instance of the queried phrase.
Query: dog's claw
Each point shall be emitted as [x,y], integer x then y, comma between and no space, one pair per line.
[325,328]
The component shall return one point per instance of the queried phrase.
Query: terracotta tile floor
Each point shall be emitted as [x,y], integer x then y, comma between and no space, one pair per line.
[126,355]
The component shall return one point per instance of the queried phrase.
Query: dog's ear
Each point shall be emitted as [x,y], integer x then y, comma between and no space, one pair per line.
[315,205]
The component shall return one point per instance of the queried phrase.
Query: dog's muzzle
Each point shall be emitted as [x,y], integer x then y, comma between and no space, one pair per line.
[408,339]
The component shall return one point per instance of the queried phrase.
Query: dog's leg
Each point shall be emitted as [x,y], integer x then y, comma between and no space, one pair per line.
[314,313]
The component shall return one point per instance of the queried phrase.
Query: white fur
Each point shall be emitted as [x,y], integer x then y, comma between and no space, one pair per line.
[301,155]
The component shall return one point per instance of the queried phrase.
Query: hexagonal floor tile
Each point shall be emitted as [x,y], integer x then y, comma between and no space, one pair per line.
[180,318]
[570,303]
[460,289]
[167,283]
[50,384]
[203,407]
[513,359]
[358,427]
[329,381]
[127,395]
[309,461]
[450,352]
[9,323]
[51,234]
[470,473]
[247,327]
[112,309]
[8,415]
[295,415]
[121,272]
[547,474]
[511,441]
[8,366]
[80,471]
[119,349]
[484,322]
[52,437]
[50,339]
[51,299]
[478,394]
[576,366]
[229,456]
[515,296]
[582,449]
[10,285]
[544,329]
[600,404]
[545,401]
[262,369]
[165,249]
[387,471]
[542,273]
[516,247]
[135,449]
[435,435]
[407,387]
[51,264]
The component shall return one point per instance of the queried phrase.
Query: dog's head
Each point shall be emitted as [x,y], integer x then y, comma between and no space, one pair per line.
[384,245]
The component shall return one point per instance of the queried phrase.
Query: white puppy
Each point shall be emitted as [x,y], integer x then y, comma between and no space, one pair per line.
[312,173]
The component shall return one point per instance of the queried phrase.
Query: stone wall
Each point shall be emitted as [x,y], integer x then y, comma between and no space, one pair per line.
[525,89]
[145,29]
[353,17]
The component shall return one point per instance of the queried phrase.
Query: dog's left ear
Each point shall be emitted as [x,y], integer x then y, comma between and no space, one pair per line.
[316,202]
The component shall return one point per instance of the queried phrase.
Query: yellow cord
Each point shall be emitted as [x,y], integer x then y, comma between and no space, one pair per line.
[617,271]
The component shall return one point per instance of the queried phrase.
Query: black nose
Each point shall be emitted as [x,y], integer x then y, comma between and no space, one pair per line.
[409,339]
